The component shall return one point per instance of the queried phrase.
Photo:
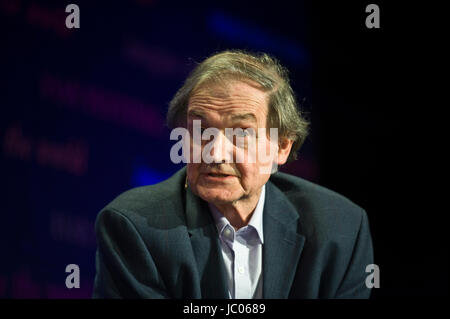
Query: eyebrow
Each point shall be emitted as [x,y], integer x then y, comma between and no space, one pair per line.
[234,117]
[196,113]
[243,117]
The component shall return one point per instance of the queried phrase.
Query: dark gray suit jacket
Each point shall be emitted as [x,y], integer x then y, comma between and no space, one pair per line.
[160,241]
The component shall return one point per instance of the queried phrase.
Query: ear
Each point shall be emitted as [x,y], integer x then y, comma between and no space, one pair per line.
[284,148]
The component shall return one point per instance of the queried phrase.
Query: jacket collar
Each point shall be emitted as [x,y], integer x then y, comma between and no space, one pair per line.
[205,244]
[283,244]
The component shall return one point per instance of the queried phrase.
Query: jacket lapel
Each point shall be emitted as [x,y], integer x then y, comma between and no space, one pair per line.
[282,244]
[206,248]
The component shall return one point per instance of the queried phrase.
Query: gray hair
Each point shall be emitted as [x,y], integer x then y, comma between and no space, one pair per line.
[261,68]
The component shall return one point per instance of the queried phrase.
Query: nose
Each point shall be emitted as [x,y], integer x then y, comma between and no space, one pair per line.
[221,149]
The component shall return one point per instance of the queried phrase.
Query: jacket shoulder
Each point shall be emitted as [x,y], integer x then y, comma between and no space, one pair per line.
[321,210]
[294,186]
[150,200]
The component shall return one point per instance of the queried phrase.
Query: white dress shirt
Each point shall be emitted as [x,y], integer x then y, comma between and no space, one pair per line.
[242,252]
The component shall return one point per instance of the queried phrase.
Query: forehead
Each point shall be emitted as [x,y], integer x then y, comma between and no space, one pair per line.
[234,97]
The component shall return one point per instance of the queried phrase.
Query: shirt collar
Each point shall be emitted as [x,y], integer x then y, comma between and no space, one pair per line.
[256,221]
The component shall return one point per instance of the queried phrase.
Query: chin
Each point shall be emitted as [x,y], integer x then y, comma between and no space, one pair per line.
[217,195]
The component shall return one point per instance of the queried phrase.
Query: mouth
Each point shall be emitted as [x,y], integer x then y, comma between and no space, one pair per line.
[218,176]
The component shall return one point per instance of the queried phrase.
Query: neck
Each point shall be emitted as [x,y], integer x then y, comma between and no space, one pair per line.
[239,212]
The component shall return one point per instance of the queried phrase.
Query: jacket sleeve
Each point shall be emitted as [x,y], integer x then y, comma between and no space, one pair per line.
[353,284]
[124,265]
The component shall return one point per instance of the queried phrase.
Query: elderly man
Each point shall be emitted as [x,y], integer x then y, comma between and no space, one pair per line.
[228,228]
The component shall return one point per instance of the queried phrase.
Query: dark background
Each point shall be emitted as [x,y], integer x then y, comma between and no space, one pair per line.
[82,120]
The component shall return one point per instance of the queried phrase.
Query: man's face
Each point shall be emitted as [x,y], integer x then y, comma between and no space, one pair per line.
[236,105]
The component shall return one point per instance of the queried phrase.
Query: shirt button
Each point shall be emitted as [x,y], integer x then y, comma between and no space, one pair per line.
[227,232]
[241,270]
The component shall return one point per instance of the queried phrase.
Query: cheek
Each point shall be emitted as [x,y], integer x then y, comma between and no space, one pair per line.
[267,156]
[271,147]
[249,173]
[252,180]
[192,171]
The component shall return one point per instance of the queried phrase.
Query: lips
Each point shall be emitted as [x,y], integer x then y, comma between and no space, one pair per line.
[218,175]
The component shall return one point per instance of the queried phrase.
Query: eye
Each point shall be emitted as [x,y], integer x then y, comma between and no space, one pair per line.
[243,133]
